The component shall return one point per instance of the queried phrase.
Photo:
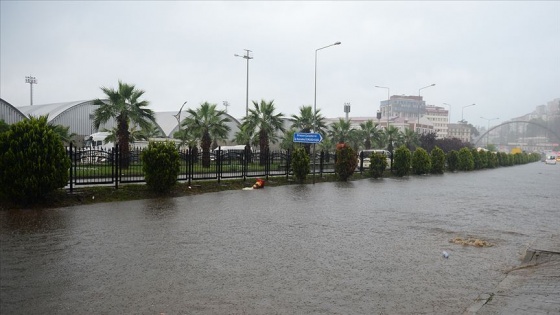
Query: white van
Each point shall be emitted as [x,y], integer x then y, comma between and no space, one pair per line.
[368,153]
[97,141]
[551,159]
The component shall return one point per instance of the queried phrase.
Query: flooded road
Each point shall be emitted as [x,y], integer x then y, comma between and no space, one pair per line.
[363,247]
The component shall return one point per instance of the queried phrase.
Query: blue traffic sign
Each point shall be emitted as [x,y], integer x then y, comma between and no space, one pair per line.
[301,137]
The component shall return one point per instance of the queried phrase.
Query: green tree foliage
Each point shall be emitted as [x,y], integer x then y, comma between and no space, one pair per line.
[476,159]
[437,157]
[346,162]
[452,161]
[205,123]
[125,107]
[3,126]
[307,122]
[421,163]
[465,160]
[402,161]
[300,163]
[264,119]
[161,162]
[370,132]
[33,162]
[491,159]
[378,165]
[483,159]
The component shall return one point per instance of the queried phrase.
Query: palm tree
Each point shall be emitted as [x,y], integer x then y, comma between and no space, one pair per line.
[370,133]
[392,136]
[307,122]
[410,139]
[264,119]
[204,122]
[340,131]
[287,142]
[125,107]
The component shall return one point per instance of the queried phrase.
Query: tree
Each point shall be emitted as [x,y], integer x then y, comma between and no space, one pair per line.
[125,107]
[421,163]
[410,139]
[402,161]
[392,136]
[33,162]
[3,126]
[428,141]
[437,157]
[378,165]
[346,162]
[287,142]
[370,133]
[307,122]
[465,160]
[340,131]
[204,122]
[264,119]
[452,160]
[160,163]
[300,164]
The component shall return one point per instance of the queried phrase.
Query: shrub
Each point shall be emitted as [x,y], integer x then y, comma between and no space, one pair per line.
[465,160]
[378,165]
[33,161]
[160,162]
[437,157]
[483,157]
[402,161]
[452,161]
[300,163]
[421,163]
[492,159]
[346,162]
[476,159]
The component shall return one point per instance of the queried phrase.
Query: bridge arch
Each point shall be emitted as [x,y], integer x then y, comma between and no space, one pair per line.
[516,122]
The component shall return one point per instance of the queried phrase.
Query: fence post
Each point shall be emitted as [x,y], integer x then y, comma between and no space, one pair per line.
[116,163]
[218,160]
[189,164]
[72,165]
[321,163]
[288,163]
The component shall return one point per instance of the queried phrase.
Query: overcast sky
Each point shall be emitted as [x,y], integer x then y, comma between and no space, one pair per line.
[503,56]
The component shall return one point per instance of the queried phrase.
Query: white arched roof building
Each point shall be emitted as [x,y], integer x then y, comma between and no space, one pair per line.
[78,116]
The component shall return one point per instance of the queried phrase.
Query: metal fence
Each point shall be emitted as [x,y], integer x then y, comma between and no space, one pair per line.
[105,167]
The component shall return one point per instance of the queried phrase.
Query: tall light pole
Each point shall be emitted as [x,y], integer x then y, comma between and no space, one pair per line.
[31,80]
[315,104]
[346,110]
[388,101]
[462,110]
[178,115]
[246,56]
[420,89]
[226,104]
[488,128]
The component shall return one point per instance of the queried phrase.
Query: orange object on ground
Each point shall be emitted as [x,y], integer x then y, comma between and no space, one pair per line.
[258,184]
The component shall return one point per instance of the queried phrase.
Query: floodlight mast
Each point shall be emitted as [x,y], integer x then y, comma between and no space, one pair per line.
[31,80]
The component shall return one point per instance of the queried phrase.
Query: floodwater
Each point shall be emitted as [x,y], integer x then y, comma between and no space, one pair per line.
[362,247]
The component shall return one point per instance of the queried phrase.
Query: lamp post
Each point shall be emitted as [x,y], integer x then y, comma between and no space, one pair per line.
[178,115]
[462,110]
[388,101]
[420,89]
[488,128]
[315,103]
[246,56]
[31,80]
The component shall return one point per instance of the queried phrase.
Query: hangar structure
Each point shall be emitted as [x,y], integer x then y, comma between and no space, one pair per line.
[78,116]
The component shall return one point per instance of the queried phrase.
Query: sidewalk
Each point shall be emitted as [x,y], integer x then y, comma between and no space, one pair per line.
[532,288]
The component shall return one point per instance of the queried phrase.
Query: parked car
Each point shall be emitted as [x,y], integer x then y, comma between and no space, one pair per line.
[551,159]
[367,155]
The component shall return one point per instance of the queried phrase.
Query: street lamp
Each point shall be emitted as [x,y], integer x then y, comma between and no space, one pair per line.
[462,120]
[420,89]
[315,103]
[247,51]
[178,115]
[31,80]
[388,101]
[488,128]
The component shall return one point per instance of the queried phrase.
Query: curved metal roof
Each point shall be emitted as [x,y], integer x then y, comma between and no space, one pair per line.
[53,110]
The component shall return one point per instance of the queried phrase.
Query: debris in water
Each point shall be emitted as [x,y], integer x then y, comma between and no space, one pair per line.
[445,254]
[471,241]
